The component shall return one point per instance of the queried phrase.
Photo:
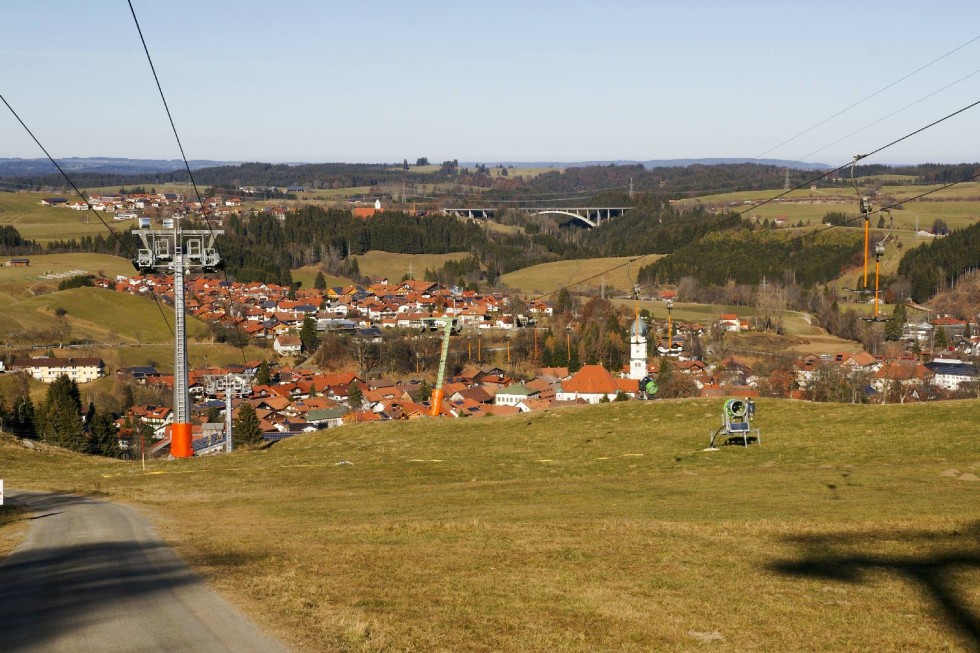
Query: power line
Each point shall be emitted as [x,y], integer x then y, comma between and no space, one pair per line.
[897,111]
[98,214]
[868,97]
[187,165]
[815,232]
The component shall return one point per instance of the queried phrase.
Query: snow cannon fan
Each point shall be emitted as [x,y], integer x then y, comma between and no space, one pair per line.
[736,424]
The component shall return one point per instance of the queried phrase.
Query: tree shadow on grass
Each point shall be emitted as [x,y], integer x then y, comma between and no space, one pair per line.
[844,558]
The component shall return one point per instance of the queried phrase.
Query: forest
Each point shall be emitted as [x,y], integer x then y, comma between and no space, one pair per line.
[933,267]
[747,257]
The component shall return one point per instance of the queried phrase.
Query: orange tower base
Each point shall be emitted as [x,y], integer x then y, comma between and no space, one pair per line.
[180,441]
[436,402]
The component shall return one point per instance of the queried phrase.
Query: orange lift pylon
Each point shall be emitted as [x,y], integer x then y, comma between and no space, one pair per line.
[866,212]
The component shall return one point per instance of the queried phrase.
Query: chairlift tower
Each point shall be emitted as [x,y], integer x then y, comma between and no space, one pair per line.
[178,252]
[231,385]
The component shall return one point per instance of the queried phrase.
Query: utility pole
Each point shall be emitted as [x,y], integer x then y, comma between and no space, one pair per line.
[786,183]
[631,188]
[178,252]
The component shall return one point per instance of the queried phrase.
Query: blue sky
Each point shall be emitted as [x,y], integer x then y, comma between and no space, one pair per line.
[502,81]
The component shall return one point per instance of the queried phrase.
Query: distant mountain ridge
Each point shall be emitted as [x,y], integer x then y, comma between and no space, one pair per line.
[656,163]
[112,165]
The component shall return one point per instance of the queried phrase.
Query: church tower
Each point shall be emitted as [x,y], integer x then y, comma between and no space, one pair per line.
[638,349]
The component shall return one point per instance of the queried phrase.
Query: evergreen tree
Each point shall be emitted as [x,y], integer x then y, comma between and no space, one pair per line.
[105,439]
[214,414]
[895,324]
[263,375]
[425,391]
[309,335]
[320,283]
[246,427]
[355,396]
[939,340]
[61,416]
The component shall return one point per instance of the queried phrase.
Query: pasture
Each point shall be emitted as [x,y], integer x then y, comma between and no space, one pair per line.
[578,275]
[597,528]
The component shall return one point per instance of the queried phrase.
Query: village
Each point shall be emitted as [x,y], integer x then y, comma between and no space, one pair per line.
[290,397]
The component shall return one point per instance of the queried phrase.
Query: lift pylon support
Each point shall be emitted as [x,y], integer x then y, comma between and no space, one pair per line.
[178,252]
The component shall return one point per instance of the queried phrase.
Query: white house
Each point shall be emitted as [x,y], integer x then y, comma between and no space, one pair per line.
[951,373]
[513,395]
[286,345]
[46,370]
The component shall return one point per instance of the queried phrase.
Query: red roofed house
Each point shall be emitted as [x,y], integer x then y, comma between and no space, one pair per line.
[592,383]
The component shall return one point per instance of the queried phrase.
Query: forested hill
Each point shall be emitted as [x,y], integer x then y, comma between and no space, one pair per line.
[263,249]
[576,184]
[935,266]
[746,257]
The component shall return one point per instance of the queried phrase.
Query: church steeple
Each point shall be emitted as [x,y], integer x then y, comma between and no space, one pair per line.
[638,348]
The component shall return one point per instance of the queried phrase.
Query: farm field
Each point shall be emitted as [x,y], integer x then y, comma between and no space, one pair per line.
[306,275]
[94,314]
[801,337]
[376,263]
[958,206]
[47,270]
[44,223]
[582,529]
[549,277]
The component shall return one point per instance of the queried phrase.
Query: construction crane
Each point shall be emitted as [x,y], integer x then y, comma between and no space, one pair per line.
[449,325]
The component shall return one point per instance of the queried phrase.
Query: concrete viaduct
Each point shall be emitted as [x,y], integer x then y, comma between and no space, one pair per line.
[591,216]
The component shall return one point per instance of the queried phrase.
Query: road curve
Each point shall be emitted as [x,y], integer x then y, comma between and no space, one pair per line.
[94,576]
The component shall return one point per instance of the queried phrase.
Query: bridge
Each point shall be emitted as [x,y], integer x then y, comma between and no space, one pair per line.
[591,216]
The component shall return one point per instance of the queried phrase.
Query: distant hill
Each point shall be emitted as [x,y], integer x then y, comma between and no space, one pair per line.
[658,163]
[34,167]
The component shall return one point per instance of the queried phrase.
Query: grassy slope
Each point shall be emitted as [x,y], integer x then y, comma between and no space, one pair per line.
[44,223]
[959,206]
[101,315]
[600,528]
[376,263]
[307,276]
[547,277]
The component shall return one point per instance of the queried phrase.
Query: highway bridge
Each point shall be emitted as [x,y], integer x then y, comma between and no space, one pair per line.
[591,216]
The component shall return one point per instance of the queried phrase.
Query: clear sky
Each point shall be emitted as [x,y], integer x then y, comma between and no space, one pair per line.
[378,80]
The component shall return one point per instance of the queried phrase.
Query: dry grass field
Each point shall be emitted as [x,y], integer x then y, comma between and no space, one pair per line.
[306,275]
[958,206]
[376,263]
[850,528]
[579,275]
[43,223]
[47,270]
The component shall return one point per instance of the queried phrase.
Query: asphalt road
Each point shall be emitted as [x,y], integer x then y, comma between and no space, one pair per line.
[94,576]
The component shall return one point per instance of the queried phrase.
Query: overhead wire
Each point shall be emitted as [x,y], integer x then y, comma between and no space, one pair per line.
[815,232]
[893,113]
[868,97]
[739,214]
[187,165]
[98,214]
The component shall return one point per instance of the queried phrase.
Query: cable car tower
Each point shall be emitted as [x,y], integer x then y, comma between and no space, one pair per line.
[230,385]
[178,252]
[866,212]
[879,251]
